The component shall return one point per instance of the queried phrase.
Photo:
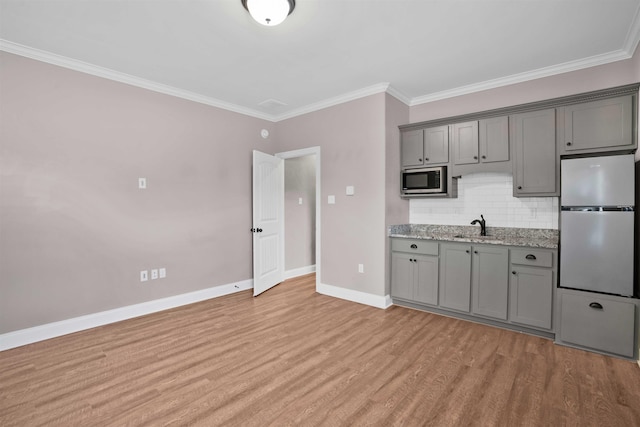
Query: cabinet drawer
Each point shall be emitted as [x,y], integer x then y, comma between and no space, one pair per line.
[598,323]
[424,247]
[532,257]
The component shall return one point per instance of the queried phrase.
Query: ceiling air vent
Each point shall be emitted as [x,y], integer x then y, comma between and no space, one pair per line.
[272,104]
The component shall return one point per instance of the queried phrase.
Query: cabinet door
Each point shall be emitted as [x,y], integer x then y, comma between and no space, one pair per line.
[490,281]
[494,139]
[436,145]
[402,275]
[455,276]
[465,143]
[426,279]
[534,143]
[599,124]
[412,148]
[531,298]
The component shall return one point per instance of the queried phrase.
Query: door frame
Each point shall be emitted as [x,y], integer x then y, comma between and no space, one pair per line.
[302,153]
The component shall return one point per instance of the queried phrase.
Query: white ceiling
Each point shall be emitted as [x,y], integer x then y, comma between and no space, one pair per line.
[326,52]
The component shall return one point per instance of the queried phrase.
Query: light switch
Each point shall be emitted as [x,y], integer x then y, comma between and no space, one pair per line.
[142,183]
[332,200]
[299,200]
[350,190]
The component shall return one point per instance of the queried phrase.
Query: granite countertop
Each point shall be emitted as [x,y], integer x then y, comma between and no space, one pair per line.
[529,237]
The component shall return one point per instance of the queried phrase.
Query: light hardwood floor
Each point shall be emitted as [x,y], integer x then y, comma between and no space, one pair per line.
[294,357]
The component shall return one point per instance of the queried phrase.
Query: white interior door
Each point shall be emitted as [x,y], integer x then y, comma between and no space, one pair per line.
[268,221]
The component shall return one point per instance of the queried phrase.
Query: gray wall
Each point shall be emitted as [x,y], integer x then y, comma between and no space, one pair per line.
[300,219]
[396,209]
[75,231]
[351,137]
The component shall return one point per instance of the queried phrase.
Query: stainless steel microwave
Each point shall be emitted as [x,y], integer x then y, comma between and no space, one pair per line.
[432,180]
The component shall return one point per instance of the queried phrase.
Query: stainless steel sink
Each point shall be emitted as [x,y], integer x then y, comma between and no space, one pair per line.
[476,237]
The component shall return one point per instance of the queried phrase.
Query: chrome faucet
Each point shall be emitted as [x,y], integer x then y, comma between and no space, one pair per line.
[483,225]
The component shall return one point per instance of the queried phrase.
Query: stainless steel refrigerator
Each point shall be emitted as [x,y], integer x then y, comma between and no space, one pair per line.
[597,224]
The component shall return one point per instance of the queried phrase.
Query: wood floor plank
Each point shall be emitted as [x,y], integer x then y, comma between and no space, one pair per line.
[294,357]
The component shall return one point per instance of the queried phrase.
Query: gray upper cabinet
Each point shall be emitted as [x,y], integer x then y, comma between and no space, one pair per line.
[436,145]
[412,149]
[425,147]
[455,276]
[599,125]
[490,289]
[465,143]
[494,139]
[478,142]
[535,167]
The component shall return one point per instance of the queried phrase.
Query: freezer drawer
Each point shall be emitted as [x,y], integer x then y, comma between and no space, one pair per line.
[598,181]
[597,322]
[596,251]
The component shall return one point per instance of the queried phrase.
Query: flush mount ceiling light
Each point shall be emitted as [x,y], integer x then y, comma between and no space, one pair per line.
[269,12]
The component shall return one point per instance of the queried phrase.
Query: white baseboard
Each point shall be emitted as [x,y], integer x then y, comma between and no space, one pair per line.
[64,327]
[289,274]
[355,296]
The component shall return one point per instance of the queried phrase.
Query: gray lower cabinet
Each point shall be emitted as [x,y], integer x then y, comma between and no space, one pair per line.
[597,322]
[531,296]
[481,271]
[455,276]
[531,286]
[490,281]
[597,126]
[535,166]
[500,285]
[414,271]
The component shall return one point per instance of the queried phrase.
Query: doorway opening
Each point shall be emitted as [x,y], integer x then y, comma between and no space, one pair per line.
[302,212]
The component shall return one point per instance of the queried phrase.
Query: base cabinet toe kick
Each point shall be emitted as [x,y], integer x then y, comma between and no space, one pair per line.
[513,288]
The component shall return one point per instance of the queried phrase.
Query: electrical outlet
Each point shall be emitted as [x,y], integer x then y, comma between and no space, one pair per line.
[154,274]
[163,273]
[144,276]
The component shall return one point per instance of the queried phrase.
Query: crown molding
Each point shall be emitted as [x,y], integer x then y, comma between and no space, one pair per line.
[399,95]
[341,99]
[630,45]
[84,67]
[633,36]
[566,67]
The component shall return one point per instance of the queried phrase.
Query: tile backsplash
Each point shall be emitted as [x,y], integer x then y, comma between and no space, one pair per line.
[490,194]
